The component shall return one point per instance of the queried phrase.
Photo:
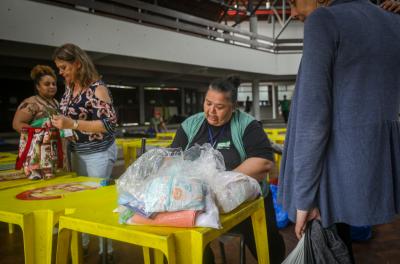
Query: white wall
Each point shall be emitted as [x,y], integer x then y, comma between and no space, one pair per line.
[295,29]
[38,23]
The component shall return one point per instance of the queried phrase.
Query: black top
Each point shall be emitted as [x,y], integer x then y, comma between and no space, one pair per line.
[255,141]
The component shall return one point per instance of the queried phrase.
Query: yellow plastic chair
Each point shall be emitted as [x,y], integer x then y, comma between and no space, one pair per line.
[189,242]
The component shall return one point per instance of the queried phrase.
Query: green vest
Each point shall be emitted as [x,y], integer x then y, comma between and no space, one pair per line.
[239,122]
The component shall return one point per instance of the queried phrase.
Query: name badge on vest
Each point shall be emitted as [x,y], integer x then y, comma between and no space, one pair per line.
[224,145]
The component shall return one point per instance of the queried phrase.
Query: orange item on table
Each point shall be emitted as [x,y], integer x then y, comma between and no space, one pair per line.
[186,218]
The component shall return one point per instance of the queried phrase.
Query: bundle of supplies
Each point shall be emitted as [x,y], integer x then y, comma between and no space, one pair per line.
[171,187]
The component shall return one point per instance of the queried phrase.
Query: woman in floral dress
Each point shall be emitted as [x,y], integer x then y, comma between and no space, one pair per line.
[87,108]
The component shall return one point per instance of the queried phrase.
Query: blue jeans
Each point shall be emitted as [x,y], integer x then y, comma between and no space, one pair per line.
[97,165]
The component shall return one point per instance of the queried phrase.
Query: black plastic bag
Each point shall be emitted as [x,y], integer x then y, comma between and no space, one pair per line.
[319,246]
[324,246]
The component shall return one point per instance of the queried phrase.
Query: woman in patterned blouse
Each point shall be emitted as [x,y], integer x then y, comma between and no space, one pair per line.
[87,108]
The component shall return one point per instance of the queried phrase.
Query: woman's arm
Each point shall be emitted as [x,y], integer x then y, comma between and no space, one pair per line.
[256,168]
[23,116]
[63,122]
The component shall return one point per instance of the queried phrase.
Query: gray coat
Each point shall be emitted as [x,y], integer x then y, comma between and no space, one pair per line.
[342,151]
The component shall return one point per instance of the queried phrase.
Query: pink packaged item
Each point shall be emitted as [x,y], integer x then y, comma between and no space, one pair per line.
[185,218]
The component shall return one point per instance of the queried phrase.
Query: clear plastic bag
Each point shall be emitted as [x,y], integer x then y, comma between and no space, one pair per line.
[145,168]
[232,189]
[170,180]
[210,216]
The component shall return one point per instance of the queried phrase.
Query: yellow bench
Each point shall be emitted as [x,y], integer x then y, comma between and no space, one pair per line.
[189,242]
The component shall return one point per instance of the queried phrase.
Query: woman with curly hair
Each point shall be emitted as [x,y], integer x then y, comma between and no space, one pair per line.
[38,105]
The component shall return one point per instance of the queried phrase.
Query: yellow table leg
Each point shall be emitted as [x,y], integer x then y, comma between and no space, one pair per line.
[260,235]
[63,243]
[76,250]
[158,257]
[198,247]
[10,228]
[43,229]
[28,239]
[146,255]
[126,154]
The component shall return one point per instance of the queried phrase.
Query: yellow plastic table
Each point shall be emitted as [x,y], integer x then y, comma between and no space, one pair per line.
[25,181]
[276,134]
[38,217]
[21,182]
[7,160]
[189,242]
[121,141]
[130,149]
[7,156]
[165,135]
[103,222]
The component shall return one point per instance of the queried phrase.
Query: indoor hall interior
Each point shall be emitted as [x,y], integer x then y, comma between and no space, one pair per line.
[159,57]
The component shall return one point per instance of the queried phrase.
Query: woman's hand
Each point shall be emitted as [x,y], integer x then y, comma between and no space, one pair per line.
[62,122]
[302,218]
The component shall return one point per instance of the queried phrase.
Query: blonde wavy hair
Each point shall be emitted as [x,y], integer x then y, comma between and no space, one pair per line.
[71,53]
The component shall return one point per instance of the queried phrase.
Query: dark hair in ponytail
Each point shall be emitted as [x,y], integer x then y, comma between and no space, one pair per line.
[229,85]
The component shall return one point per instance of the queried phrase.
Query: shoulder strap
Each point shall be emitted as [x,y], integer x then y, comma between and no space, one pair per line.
[24,153]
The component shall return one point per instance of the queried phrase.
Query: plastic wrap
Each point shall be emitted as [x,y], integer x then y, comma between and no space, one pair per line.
[232,189]
[210,216]
[145,168]
[166,180]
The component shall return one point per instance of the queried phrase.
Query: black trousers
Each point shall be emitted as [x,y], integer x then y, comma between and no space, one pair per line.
[275,241]
[285,115]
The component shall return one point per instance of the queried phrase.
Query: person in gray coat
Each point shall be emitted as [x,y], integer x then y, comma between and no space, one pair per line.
[341,160]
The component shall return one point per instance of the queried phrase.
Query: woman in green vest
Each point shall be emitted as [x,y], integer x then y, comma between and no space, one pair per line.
[244,146]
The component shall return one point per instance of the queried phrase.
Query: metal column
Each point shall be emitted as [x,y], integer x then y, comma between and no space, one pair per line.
[274,101]
[255,90]
[141,105]
[183,101]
